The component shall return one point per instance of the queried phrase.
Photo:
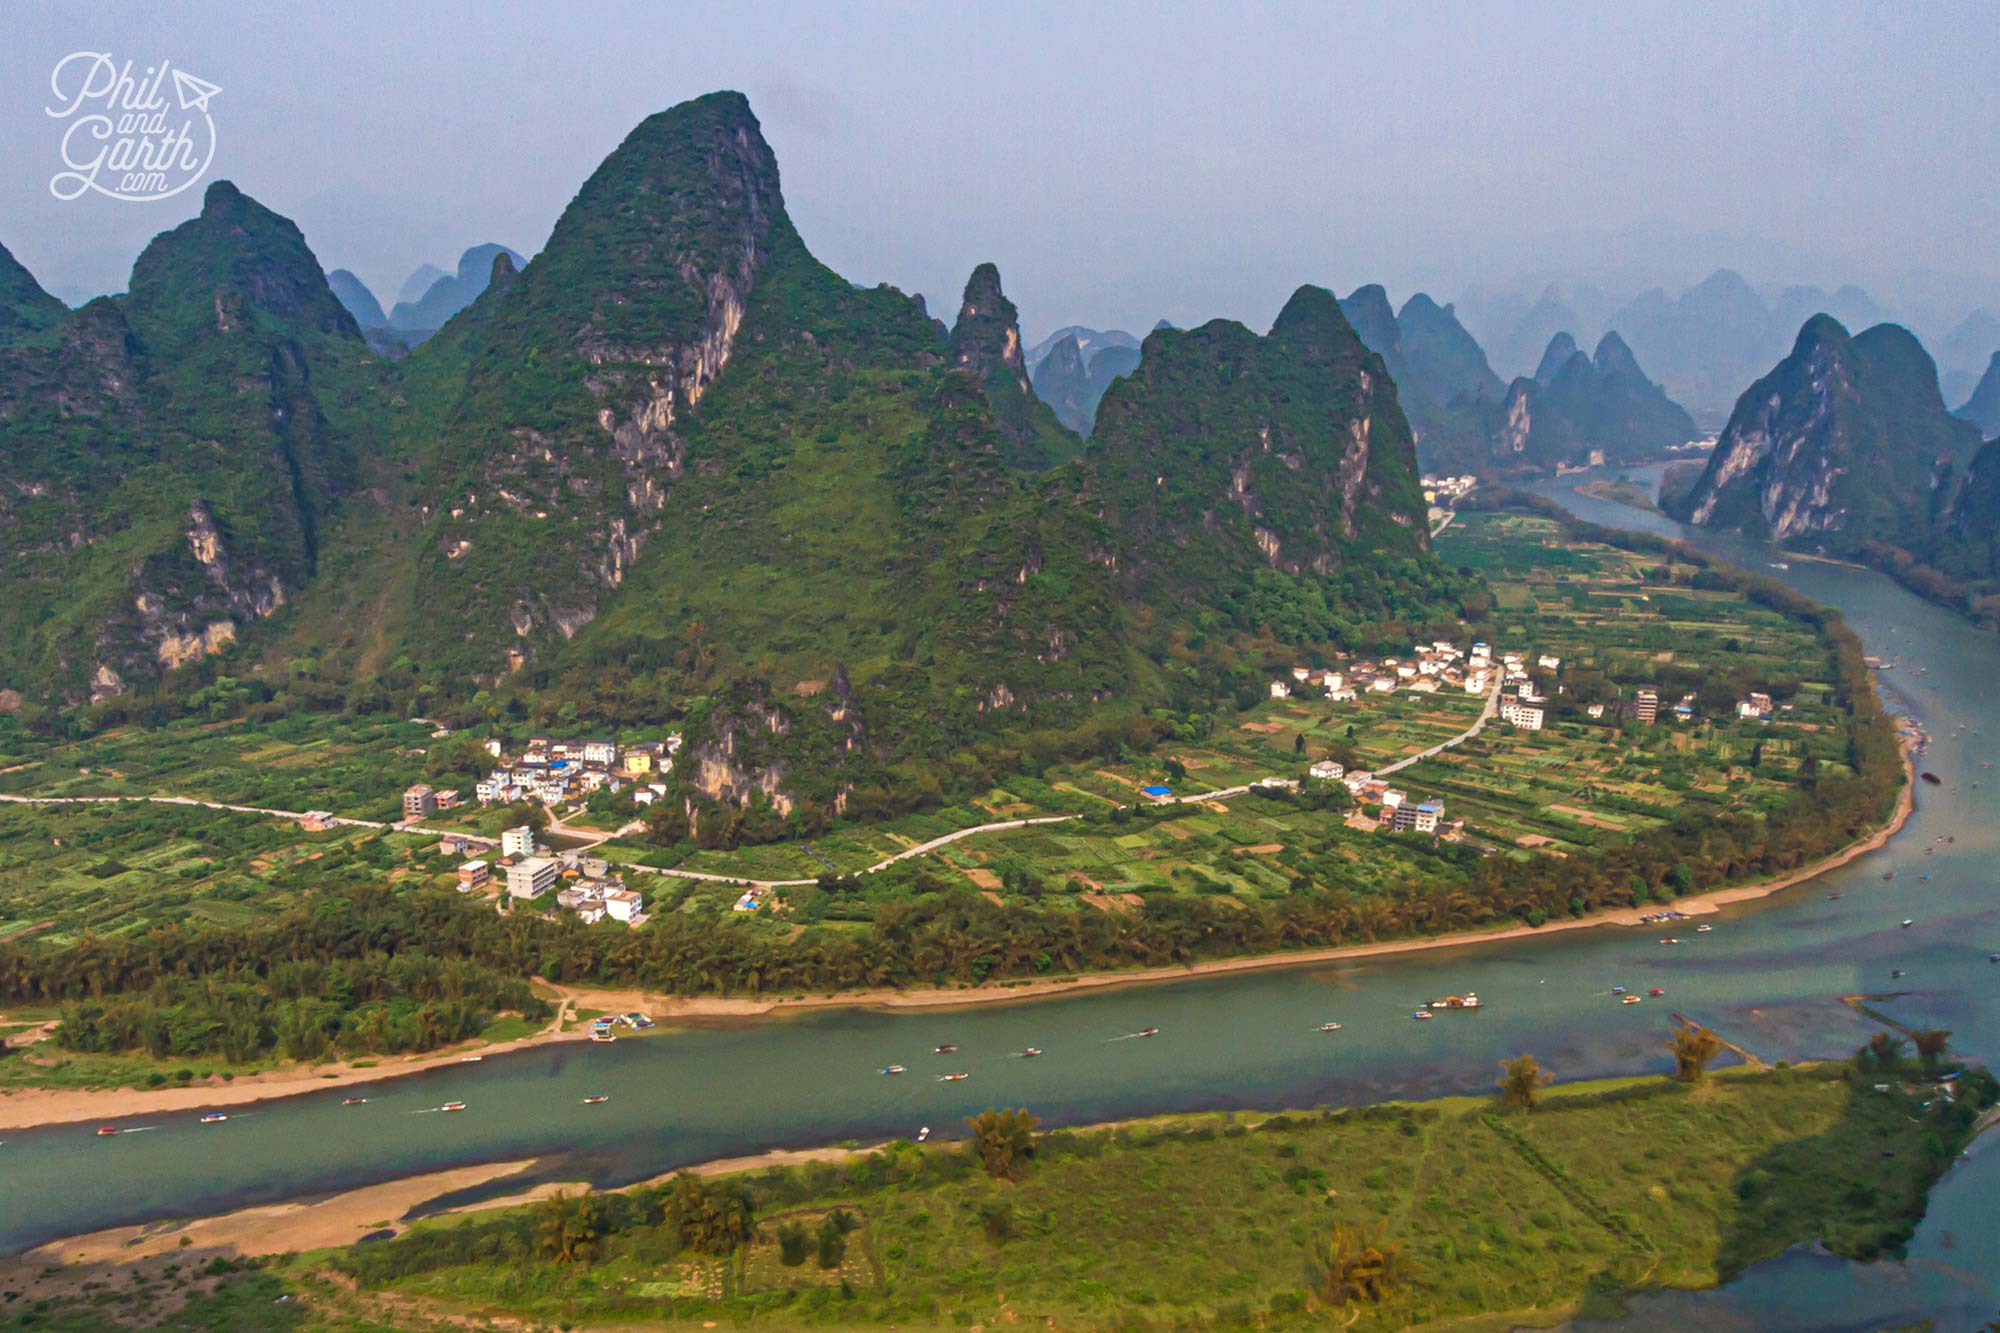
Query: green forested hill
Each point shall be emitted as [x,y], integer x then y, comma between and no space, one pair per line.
[171,455]
[676,468]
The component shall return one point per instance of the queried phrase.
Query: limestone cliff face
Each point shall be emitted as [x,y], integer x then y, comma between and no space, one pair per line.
[589,368]
[1846,441]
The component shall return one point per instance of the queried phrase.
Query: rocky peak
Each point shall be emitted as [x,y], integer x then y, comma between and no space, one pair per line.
[236,268]
[1613,357]
[1845,441]
[1063,382]
[1555,356]
[986,340]
[1374,321]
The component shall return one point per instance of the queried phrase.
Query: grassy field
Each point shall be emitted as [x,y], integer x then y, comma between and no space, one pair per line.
[1617,620]
[65,871]
[1218,1220]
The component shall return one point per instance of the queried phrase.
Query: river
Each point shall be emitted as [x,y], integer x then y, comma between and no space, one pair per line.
[1767,977]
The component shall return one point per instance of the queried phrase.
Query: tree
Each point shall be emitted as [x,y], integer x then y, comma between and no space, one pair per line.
[1931,1044]
[1359,1265]
[792,1244]
[569,1226]
[1522,1080]
[709,1218]
[1299,743]
[1883,1051]
[1693,1047]
[832,1242]
[1003,1141]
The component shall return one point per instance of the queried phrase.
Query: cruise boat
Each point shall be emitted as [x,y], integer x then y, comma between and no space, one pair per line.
[1617,990]
[214,1118]
[1329,1027]
[1628,999]
[943,1050]
[597,1099]
[1656,991]
[1703,930]
[1150,1032]
[952,1078]
[1469,1000]
[452,1106]
[353,1101]
[1031,1052]
[895,1069]
[102,1130]
[1907,923]
[1422,1014]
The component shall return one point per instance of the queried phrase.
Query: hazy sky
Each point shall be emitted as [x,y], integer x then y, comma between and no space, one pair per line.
[1120,162]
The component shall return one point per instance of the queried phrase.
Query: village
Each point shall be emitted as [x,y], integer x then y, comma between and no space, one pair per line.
[1517,697]
[552,773]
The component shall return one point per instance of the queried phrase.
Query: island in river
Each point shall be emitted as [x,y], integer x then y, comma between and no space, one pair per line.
[1381,1217]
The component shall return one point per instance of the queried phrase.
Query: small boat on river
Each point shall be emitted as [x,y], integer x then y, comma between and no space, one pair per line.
[1149,1032]
[896,1069]
[1469,1000]
[1628,999]
[597,1099]
[214,1118]
[1422,1014]
[102,1130]
[1329,1027]
[1657,990]
[353,1101]
[1703,929]
[1617,990]
[952,1078]
[452,1106]
[1031,1052]
[1907,923]
[943,1050]
[1931,778]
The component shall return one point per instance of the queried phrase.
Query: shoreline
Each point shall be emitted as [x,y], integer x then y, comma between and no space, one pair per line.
[340,1219]
[31,1108]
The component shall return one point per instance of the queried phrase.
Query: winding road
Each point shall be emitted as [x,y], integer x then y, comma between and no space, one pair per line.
[921,849]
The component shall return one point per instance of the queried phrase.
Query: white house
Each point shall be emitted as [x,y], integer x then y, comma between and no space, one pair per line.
[600,752]
[1548,663]
[1326,770]
[623,904]
[1525,716]
[1280,690]
[1754,705]
[1300,673]
[518,842]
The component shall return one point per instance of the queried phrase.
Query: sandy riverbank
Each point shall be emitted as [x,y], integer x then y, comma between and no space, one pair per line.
[41,1106]
[343,1219]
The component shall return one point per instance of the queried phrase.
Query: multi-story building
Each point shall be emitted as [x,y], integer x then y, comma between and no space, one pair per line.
[1646,706]
[518,842]
[473,875]
[419,802]
[531,878]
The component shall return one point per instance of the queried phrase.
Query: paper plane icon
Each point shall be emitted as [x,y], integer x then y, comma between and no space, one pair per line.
[194,93]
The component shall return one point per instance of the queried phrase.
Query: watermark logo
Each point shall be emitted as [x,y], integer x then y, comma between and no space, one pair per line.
[130,136]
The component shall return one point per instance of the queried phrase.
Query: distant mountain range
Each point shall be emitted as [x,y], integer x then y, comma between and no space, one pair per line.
[1073,386]
[1710,340]
[438,295]
[1589,409]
